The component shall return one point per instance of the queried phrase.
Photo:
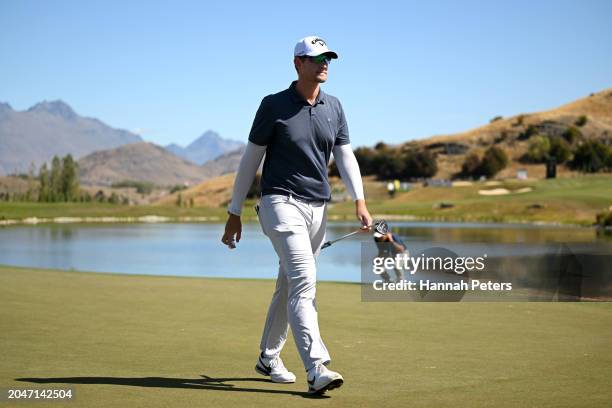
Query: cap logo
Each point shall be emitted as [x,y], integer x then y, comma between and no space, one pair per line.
[318,40]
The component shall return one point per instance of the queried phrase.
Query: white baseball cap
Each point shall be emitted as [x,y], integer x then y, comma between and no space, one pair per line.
[312,46]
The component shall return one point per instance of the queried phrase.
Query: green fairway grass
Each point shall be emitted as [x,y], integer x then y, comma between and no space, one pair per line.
[144,341]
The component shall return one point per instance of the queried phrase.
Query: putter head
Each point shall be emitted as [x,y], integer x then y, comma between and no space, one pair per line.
[380,228]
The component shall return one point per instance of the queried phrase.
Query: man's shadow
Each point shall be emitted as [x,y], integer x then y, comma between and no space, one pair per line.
[204,383]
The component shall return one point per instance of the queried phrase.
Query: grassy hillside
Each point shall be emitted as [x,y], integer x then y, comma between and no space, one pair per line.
[123,341]
[504,133]
[565,200]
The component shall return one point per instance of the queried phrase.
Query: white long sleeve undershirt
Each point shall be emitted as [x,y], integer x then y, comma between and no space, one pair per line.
[349,170]
[251,159]
[249,163]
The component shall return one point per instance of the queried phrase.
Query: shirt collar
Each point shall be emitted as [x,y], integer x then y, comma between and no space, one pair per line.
[297,98]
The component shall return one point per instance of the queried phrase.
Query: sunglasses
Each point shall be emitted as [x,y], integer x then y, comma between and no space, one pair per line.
[320,59]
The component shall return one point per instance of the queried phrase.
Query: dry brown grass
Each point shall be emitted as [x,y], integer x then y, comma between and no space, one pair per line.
[597,108]
[210,193]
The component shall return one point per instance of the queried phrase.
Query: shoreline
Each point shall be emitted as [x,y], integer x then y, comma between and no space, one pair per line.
[159,219]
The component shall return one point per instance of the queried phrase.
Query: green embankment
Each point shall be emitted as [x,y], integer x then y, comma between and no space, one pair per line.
[565,200]
[127,341]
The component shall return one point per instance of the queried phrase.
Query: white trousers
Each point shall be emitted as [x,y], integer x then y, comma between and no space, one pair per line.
[297,230]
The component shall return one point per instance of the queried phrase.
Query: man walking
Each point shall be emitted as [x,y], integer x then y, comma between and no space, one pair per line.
[297,129]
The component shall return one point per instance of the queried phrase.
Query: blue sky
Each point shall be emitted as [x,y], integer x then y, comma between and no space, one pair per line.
[407,70]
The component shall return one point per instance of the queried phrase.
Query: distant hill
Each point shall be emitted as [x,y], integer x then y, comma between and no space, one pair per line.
[209,193]
[227,163]
[507,133]
[138,162]
[449,149]
[48,129]
[207,147]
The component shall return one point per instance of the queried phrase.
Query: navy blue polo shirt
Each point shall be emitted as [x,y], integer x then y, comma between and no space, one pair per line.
[299,138]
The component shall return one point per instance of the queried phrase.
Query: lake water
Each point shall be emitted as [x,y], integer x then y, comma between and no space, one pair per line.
[196,250]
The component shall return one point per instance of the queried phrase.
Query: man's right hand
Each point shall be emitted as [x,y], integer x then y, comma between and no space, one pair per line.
[233,231]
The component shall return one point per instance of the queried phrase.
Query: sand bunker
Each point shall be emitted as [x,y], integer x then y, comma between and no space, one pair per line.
[462,183]
[503,191]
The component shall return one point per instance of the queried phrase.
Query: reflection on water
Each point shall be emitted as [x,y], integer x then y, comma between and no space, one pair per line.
[196,250]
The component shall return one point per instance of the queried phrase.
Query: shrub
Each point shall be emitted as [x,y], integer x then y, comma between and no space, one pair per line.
[591,157]
[380,146]
[470,165]
[142,187]
[365,157]
[572,134]
[174,189]
[538,150]
[493,161]
[100,196]
[560,149]
[420,163]
[388,166]
[530,131]
[604,219]
[495,119]
[581,121]
[114,198]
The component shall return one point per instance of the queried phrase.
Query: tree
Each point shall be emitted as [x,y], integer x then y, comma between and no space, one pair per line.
[56,180]
[114,198]
[581,121]
[493,161]
[44,193]
[388,165]
[572,134]
[365,158]
[591,157]
[29,196]
[100,196]
[420,163]
[69,179]
[538,150]
[530,131]
[470,165]
[560,149]
[380,146]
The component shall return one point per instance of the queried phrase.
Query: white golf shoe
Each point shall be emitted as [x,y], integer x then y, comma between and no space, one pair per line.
[321,379]
[275,369]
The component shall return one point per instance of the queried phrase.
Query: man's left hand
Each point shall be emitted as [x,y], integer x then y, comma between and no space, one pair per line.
[363,215]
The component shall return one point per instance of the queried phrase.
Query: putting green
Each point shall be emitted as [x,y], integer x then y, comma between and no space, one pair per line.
[127,341]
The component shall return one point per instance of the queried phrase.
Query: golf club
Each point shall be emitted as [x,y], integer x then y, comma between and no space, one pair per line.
[380,226]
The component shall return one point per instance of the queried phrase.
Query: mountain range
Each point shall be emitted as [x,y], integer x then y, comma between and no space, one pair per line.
[207,147]
[48,129]
[52,128]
